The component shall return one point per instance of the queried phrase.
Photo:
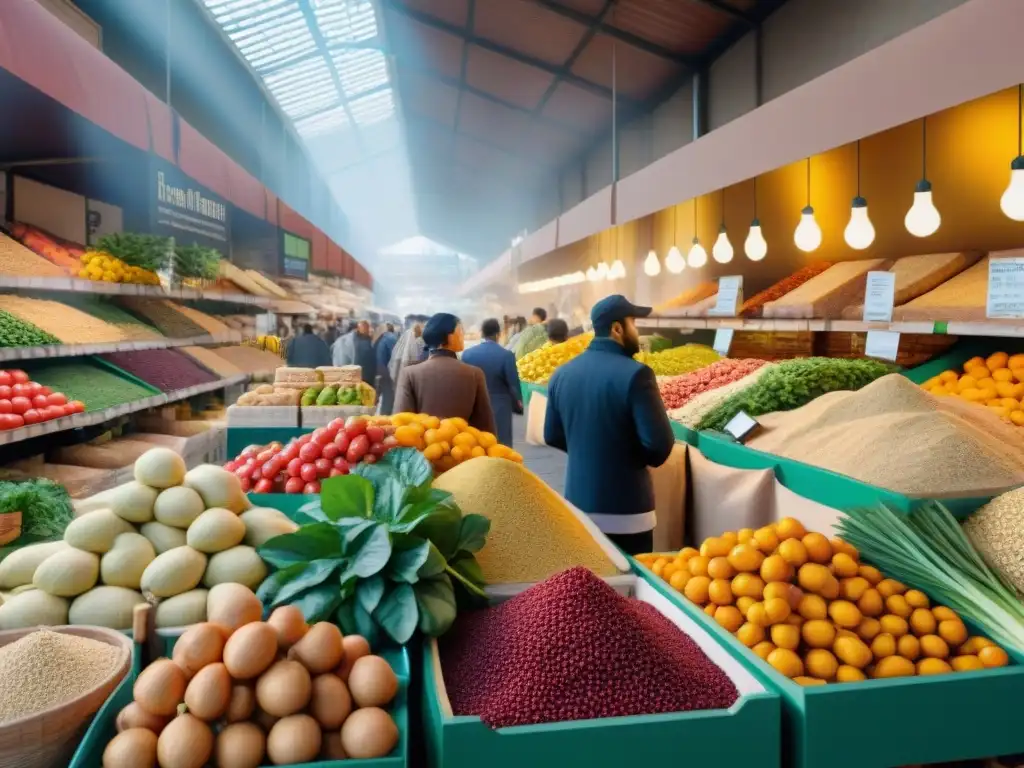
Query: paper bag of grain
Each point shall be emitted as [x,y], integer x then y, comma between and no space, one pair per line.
[916,275]
[828,294]
[961,298]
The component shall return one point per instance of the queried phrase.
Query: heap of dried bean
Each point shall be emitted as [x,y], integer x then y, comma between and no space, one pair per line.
[677,391]
[165,369]
[754,306]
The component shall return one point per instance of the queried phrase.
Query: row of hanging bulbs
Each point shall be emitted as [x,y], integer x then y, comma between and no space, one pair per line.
[922,219]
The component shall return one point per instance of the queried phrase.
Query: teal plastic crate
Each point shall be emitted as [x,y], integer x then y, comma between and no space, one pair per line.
[288,503]
[528,390]
[103,728]
[746,734]
[240,438]
[883,723]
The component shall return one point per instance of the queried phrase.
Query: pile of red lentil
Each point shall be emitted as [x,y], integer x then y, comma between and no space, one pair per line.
[677,391]
[572,648]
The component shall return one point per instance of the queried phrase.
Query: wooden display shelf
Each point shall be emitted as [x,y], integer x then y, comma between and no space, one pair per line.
[77,285]
[92,418]
[52,351]
[939,327]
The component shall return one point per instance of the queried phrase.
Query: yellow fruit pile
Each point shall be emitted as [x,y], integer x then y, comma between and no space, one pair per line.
[537,367]
[808,607]
[446,443]
[678,360]
[100,266]
[996,382]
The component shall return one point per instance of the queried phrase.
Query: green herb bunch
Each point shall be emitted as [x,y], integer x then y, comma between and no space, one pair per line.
[146,251]
[793,383]
[196,261]
[45,508]
[380,552]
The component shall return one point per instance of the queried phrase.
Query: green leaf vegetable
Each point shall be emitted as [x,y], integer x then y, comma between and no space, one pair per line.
[381,551]
[793,383]
[146,251]
[196,261]
[929,550]
[45,509]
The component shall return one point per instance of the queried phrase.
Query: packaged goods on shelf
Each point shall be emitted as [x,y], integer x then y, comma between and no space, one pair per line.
[811,609]
[538,366]
[81,379]
[754,306]
[15,332]
[701,308]
[16,259]
[208,323]
[503,665]
[345,375]
[996,382]
[692,412]
[677,391]
[793,383]
[66,323]
[64,255]
[772,345]
[165,315]
[914,348]
[241,279]
[249,359]
[534,534]
[678,360]
[165,369]
[219,365]
[917,275]
[267,283]
[997,531]
[826,294]
[688,297]
[270,395]
[894,435]
[961,298]
[104,309]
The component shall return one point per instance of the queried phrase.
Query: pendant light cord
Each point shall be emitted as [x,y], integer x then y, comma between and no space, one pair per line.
[808,182]
[695,218]
[924,147]
[858,167]
[675,223]
[723,206]
[755,197]
[1020,119]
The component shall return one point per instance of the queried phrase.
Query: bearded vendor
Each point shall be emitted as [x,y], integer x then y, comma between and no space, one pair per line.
[605,411]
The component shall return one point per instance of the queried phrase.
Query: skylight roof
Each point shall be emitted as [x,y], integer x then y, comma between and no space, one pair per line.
[316,57]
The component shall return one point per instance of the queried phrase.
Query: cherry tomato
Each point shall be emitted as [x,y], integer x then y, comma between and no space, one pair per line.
[323,467]
[32,416]
[246,484]
[342,441]
[331,451]
[55,398]
[20,404]
[5,406]
[77,405]
[39,401]
[309,452]
[6,379]
[340,463]
[19,376]
[308,472]
[311,488]
[6,392]
[295,468]
[294,485]
[265,485]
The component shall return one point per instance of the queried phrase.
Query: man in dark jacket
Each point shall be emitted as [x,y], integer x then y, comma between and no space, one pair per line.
[365,354]
[384,347]
[499,367]
[307,350]
[604,409]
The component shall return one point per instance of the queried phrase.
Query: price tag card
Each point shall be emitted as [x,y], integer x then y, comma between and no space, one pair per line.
[879,294]
[1005,288]
[730,296]
[742,426]
[883,345]
[723,340]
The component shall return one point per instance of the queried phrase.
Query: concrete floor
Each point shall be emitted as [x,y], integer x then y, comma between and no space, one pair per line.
[546,463]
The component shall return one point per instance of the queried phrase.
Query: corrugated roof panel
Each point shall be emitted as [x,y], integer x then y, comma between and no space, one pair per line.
[373,108]
[349,21]
[361,70]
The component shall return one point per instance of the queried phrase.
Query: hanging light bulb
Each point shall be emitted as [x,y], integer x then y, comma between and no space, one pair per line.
[859,232]
[591,274]
[674,261]
[1012,201]
[808,234]
[652,264]
[602,271]
[697,257]
[722,250]
[618,270]
[923,217]
[755,246]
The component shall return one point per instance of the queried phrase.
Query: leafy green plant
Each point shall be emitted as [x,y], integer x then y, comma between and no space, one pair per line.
[196,261]
[380,551]
[150,252]
[45,508]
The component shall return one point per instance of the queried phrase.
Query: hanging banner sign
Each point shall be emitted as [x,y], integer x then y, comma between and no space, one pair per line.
[294,256]
[188,212]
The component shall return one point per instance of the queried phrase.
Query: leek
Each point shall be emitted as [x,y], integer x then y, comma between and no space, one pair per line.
[928,549]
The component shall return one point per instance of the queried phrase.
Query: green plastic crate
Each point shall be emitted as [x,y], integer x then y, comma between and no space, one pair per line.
[746,734]
[883,723]
[528,390]
[90,752]
[240,438]
[288,503]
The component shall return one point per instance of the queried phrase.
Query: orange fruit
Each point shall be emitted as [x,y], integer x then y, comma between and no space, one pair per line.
[498,451]
[433,452]
[407,437]
[465,440]
[486,439]
[478,451]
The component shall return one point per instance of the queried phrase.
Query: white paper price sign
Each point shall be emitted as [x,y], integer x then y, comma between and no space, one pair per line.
[723,340]
[879,295]
[1005,288]
[730,296]
[883,345]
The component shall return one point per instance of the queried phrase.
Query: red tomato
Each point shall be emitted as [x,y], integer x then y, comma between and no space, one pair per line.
[357,449]
[294,485]
[45,391]
[369,459]
[56,398]
[6,393]
[265,455]
[20,404]
[378,449]
[39,401]
[376,434]
[5,406]
[32,416]
[271,468]
[265,485]
[340,463]
[336,424]
[77,405]
[323,467]
[311,488]
[246,484]
[53,412]
[355,426]
[19,390]
[295,468]
[16,419]
[19,376]
[8,421]
[331,451]
[32,389]
[342,441]
[231,466]
[335,472]
[308,472]
[309,452]
[290,452]
[6,379]
[243,472]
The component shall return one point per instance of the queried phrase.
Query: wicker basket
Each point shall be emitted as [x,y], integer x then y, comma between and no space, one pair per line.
[49,738]
[915,348]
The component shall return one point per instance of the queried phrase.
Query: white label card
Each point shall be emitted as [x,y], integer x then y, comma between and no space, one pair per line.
[1005,288]
[883,345]
[742,425]
[730,296]
[879,295]
[723,340]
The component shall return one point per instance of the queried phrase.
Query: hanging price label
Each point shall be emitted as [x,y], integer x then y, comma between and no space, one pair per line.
[723,340]
[730,296]
[879,295]
[1005,288]
[883,345]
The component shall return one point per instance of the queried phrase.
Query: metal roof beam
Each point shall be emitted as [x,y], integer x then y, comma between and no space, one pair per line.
[470,19]
[440,126]
[618,34]
[581,46]
[501,50]
[364,45]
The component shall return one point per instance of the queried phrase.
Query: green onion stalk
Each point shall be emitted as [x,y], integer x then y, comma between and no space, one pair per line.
[929,550]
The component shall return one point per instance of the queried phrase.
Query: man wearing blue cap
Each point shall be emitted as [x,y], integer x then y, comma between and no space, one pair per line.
[605,410]
[443,385]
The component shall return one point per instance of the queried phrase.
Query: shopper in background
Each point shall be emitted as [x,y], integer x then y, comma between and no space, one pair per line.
[384,348]
[558,330]
[307,350]
[363,353]
[444,386]
[602,398]
[535,335]
[406,351]
[499,367]
[343,351]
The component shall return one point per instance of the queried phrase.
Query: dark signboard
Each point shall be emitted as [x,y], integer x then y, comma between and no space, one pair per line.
[294,256]
[188,212]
